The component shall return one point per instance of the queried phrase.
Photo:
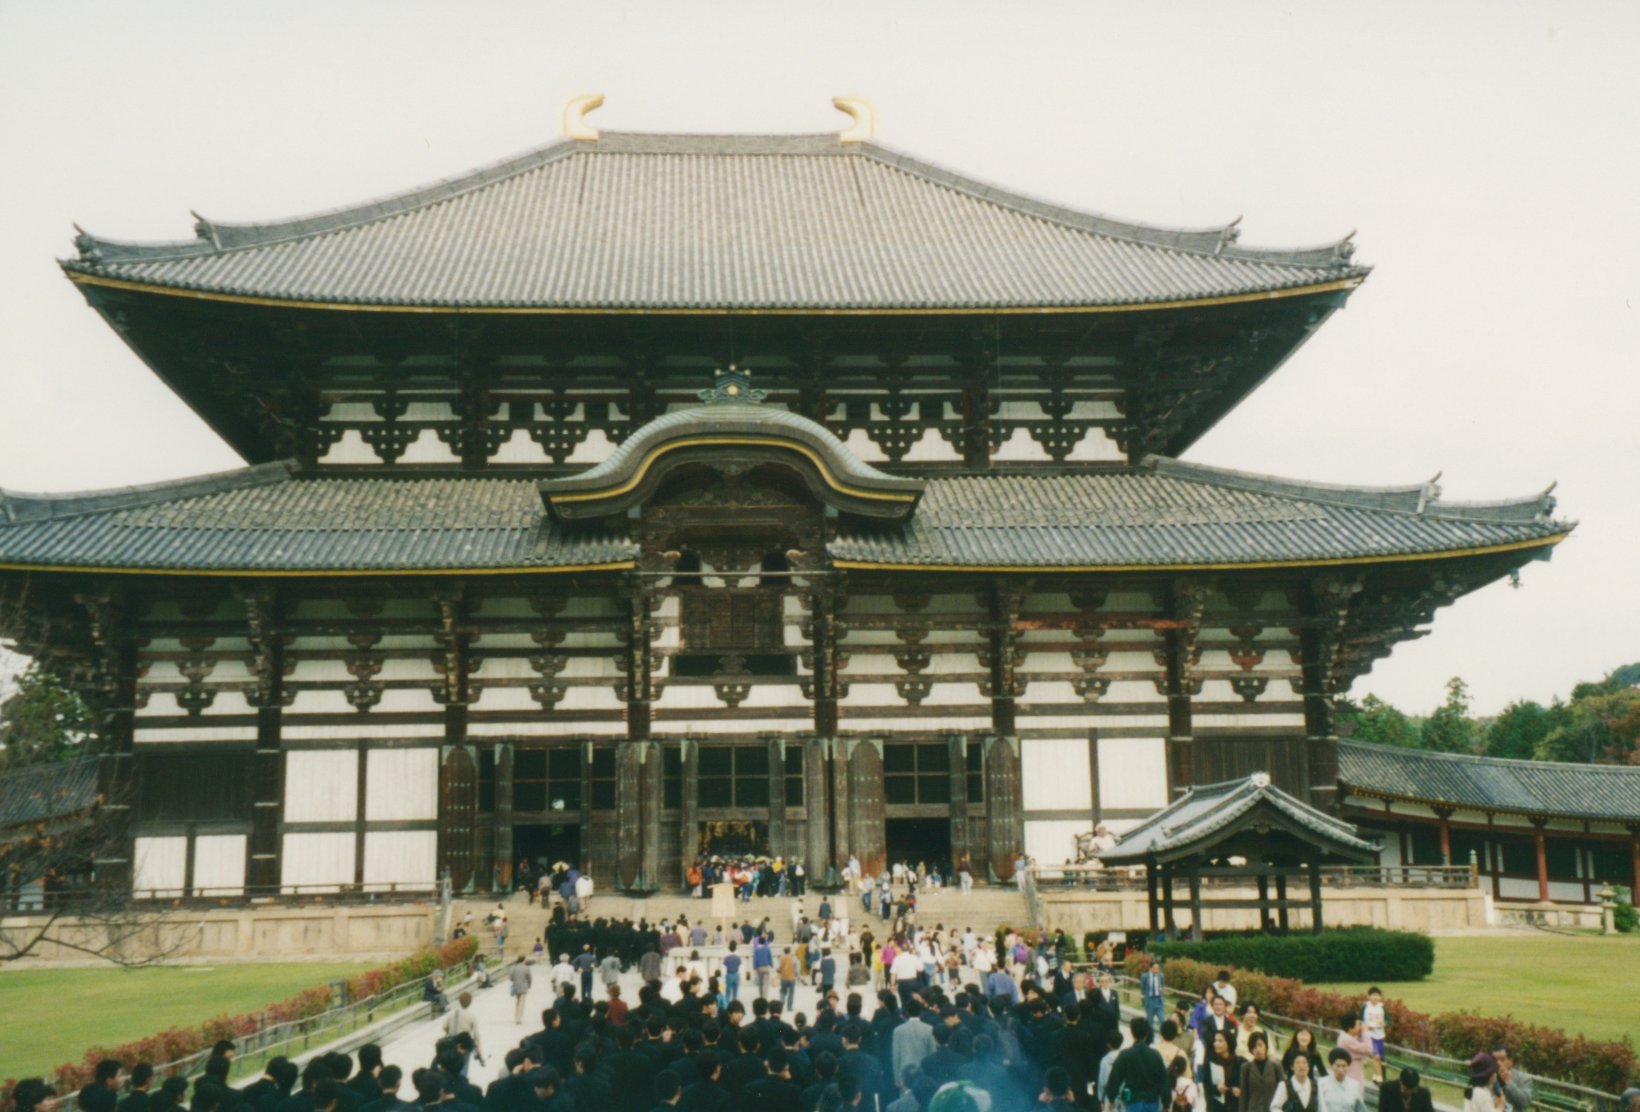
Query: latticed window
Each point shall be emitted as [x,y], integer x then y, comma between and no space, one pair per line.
[603,778]
[194,787]
[734,776]
[728,621]
[917,773]
[547,780]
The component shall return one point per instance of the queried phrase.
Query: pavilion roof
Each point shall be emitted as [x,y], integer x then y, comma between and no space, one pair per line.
[1207,815]
[1581,791]
[1167,514]
[714,222]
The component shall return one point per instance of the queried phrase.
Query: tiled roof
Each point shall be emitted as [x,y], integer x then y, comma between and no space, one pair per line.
[1176,513]
[714,222]
[39,793]
[1203,815]
[262,519]
[1490,783]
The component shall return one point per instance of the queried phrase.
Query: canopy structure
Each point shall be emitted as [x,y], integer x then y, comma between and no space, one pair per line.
[1238,830]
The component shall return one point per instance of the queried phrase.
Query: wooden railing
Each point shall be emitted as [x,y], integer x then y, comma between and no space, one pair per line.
[1048,878]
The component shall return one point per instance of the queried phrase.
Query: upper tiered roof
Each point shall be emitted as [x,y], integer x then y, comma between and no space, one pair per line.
[693,223]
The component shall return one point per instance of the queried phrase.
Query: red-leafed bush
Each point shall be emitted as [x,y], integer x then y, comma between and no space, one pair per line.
[179,1042]
[1609,1066]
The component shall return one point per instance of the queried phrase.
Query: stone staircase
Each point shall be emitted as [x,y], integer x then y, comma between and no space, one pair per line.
[985,908]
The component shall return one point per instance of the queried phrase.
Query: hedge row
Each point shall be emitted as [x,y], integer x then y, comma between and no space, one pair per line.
[1352,954]
[1606,1066]
[179,1042]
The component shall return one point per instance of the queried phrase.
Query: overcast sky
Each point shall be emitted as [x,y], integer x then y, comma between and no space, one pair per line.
[1486,152]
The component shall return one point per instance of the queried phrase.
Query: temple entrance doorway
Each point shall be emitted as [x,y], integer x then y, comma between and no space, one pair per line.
[925,841]
[734,838]
[544,845]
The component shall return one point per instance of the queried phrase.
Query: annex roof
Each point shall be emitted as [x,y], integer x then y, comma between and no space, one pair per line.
[1610,792]
[1210,813]
[713,222]
[40,793]
[264,520]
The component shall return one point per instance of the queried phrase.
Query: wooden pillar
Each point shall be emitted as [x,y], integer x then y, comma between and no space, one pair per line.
[1443,816]
[1186,601]
[360,787]
[777,796]
[1151,895]
[1195,902]
[628,809]
[688,808]
[957,745]
[1283,923]
[1264,923]
[1634,853]
[654,798]
[115,696]
[1005,816]
[457,817]
[503,817]
[817,804]
[1327,610]
[1542,847]
[1315,897]
[866,807]
[1168,922]
[269,642]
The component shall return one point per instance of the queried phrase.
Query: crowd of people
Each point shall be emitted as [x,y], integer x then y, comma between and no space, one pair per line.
[923,1019]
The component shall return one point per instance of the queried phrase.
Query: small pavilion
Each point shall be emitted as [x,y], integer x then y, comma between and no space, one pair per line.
[1240,830]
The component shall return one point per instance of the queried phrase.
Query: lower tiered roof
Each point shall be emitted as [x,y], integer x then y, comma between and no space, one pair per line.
[265,520]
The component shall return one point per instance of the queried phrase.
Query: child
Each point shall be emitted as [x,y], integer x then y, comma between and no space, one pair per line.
[1375,1018]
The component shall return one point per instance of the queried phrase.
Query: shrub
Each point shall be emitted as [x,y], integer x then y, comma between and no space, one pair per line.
[1607,1066]
[1355,954]
[1624,917]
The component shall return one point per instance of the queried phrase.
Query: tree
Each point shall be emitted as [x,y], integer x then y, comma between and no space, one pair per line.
[1450,729]
[1376,721]
[1521,727]
[1600,725]
[1626,676]
[44,720]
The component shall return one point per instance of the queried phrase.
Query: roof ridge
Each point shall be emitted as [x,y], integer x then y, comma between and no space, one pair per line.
[1482,758]
[1218,241]
[1417,499]
[19,506]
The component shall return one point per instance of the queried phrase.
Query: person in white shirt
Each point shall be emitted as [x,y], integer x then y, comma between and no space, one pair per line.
[1338,1091]
[563,973]
[1224,988]
[905,972]
[983,960]
[583,892]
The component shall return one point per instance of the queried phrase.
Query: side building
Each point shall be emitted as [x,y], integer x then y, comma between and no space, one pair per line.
[525,563]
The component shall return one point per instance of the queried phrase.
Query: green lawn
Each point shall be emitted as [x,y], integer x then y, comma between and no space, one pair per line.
[1583,984]
[52,1016]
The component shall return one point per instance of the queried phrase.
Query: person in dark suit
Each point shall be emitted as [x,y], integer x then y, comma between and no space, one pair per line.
[1406,1095]
[774,1091]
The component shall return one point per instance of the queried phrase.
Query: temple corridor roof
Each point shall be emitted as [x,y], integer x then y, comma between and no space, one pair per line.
[700,222]
[1610,792]
[1166,514]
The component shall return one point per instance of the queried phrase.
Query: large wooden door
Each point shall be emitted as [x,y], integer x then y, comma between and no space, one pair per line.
[457,811]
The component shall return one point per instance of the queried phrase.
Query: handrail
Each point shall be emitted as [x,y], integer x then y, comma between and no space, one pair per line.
[1571,1094]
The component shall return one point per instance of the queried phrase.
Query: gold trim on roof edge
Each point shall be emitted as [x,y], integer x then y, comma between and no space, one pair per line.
[80,278]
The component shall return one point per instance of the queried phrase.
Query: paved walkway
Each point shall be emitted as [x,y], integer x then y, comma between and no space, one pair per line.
[412,1047]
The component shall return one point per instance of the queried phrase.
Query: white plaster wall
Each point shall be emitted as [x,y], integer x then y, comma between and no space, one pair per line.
[316,860]
[401,784]
[1132,772]
[1055,774]
[219,864]
[1052,841]
[159,866]
[401,857]
[321,785]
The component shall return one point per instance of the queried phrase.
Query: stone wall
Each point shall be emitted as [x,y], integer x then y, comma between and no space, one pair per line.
[268,933]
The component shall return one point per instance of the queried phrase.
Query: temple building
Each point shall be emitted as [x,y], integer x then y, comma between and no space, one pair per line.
[650,495]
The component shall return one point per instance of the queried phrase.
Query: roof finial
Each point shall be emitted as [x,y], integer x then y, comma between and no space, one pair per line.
[864,115]
[731,384]
[575,115]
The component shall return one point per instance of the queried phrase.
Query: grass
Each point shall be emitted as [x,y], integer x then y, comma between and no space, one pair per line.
[52,1016]
[1581,984]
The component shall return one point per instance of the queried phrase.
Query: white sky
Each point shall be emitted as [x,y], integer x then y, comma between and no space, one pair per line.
[1485,151]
